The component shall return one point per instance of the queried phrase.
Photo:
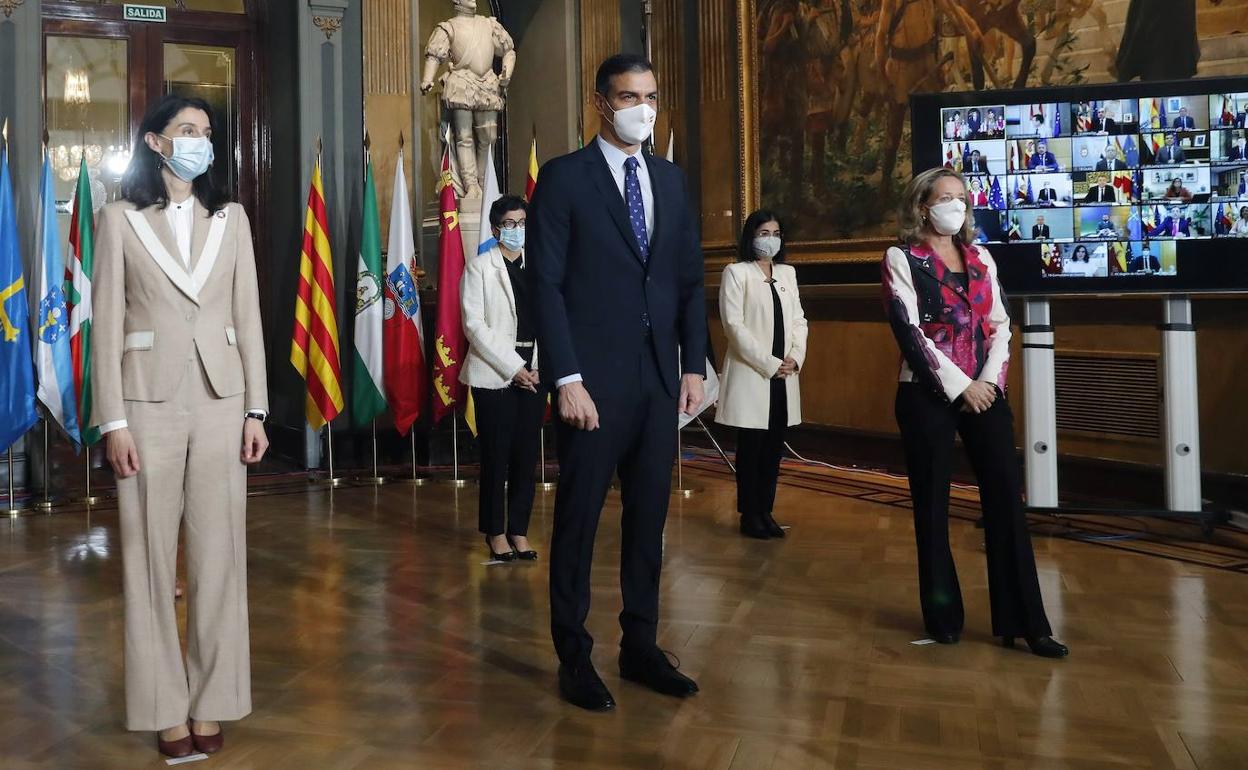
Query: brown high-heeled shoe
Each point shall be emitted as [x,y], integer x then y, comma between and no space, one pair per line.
[209,744]
[182,747]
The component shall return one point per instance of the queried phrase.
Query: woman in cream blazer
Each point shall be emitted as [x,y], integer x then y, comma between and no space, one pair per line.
[501,369]
[181,397]
[766,330]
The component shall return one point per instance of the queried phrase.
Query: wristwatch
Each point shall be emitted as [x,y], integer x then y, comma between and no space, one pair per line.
[256,415]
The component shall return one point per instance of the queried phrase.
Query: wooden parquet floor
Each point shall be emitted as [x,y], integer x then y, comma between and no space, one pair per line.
[380,640]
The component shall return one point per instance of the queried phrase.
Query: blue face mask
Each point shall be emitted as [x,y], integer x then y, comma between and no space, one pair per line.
[512,239]
[192,156]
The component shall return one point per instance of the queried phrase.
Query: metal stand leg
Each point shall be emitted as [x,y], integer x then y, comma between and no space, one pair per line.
[680,489]
[332,480]
[376,479]
[1182,428]
[455,480]
[87,497]
[46,503]
[714,443]
[1040,406]
[10,505]
[416,480]
[542,483]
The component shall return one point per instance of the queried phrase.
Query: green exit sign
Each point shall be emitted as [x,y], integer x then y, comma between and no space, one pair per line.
[152,13]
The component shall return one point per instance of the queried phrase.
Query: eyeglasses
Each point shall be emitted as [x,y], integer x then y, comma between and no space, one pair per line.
[510,224]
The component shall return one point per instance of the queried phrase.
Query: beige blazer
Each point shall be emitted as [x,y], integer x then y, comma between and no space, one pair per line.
[150,311]
[745,307]
[488,306]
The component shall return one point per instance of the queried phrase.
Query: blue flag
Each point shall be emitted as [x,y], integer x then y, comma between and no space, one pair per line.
[1131,152]
[1057,120]
[1135,228]
[53,364]
[1218,227]
[17,375]
[996,198]
[1243,185]
[1161,114]
[1031,198]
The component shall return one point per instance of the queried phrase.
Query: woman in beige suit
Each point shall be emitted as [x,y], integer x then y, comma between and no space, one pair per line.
[179,372]
[501,369]
[766,330]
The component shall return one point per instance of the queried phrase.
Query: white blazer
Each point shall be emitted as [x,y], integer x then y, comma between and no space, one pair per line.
[488,305]
[745,307]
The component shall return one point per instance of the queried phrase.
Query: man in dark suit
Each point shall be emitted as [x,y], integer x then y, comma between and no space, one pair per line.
[1040,231]
[1102,124]
[1175,225]
[1101,192]
[1143,262]
[974,164]
[972,123]
[1043,160]
[1171,153]
[1239,151]
[621,324]
[1110,161]
[1048,195]
[1184,120]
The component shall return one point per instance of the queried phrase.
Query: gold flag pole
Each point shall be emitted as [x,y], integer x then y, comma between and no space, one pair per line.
[376,479]
[11,508]
[332,480]
[680,489]
[455,480]
[543,484]
[87,497]
[46,503]
[416,480]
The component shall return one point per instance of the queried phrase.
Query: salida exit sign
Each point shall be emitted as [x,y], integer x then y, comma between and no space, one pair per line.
[152,13]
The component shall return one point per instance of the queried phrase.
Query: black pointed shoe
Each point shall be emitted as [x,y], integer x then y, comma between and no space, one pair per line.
[652,669]
[581,686]
[529,555]
[1044,646]
[508,555]
[773,528]
[753,527]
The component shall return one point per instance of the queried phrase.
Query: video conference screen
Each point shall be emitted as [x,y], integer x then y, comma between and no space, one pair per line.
[1121,187]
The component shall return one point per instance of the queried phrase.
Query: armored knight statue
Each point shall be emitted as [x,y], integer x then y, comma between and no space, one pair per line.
[472,92]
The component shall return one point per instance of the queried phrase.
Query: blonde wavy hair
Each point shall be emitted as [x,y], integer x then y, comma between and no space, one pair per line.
[911,222]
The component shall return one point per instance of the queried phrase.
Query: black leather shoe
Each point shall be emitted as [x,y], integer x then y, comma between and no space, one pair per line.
[508,555]
[755,529]
[581,686]
[652,669]
[773,528]
[529,555]
[945,638]
[1044,646]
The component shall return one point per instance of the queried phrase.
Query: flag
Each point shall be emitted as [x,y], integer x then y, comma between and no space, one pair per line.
[1228,116]
[671,149]
[1016,232]
[17,375]
[368,398]
[1130,152]
[530,182]
[53,366]
[82,248]
[1057,122]
[1124,181]
[1031,198]
[949,157]
[1083,121]
[1221,223]
[1161,115]
[1013,155]
[1243,185]
[1135,228]
[996,196]
[1018,193]
[314,343]
[449,342]
[406,373]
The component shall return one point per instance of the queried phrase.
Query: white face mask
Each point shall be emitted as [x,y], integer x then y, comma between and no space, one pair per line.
[192,156]
[767,247]
[634,124]
[948,217]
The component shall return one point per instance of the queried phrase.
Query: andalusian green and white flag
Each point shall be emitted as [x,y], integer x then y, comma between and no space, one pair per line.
[367,391]
[82,262]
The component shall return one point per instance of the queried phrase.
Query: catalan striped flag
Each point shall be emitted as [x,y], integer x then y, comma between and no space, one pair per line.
[314,344]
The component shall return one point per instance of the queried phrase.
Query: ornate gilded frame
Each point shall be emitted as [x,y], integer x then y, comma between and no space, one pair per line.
[852,250]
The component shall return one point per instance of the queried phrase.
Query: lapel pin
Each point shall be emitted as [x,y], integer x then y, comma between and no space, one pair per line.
[221,214]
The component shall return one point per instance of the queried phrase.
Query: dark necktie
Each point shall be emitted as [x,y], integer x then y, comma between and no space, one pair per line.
[636,207]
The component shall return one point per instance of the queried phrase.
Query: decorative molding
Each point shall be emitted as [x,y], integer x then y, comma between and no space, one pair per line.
[328,24]
[9,6]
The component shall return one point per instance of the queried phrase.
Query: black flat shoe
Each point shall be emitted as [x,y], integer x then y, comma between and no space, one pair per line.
[581,686]
[755,529]
[1044,646]
[773,528]
[652,669]
[496,556]
[945,638]
[529,555]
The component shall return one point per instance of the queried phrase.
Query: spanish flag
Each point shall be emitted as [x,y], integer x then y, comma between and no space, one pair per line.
[530,183]
[314,345]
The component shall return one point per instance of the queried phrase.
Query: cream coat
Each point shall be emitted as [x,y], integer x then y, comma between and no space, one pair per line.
[149,310]
[745,307]
[488,304]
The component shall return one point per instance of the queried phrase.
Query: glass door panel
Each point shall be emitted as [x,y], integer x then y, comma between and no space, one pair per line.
[210,73]
[87,113]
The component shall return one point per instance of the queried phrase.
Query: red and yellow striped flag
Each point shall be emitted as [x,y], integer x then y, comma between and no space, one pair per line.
[314,345]
[530,182]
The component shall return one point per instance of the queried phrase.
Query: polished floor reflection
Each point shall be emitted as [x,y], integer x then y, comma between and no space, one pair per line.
[381,640]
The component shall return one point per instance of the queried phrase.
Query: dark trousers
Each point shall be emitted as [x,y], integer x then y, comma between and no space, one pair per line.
[637,438]
[509,424]
[758,458]
[927,430]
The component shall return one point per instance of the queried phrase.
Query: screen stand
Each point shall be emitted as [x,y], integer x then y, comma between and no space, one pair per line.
[1181,434]
[1040,406]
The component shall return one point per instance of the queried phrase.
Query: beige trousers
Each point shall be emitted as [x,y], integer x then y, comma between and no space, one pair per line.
[189,470]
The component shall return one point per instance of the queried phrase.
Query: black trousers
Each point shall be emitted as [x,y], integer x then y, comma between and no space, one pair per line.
[758,457]
[927,430]
[637,438]
[509,424]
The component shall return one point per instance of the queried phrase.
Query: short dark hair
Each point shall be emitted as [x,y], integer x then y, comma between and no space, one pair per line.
[142,184]
[618,65]
[745,249]
[503,205]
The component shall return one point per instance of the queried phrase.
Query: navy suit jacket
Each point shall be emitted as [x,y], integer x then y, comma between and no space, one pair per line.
[592,293]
